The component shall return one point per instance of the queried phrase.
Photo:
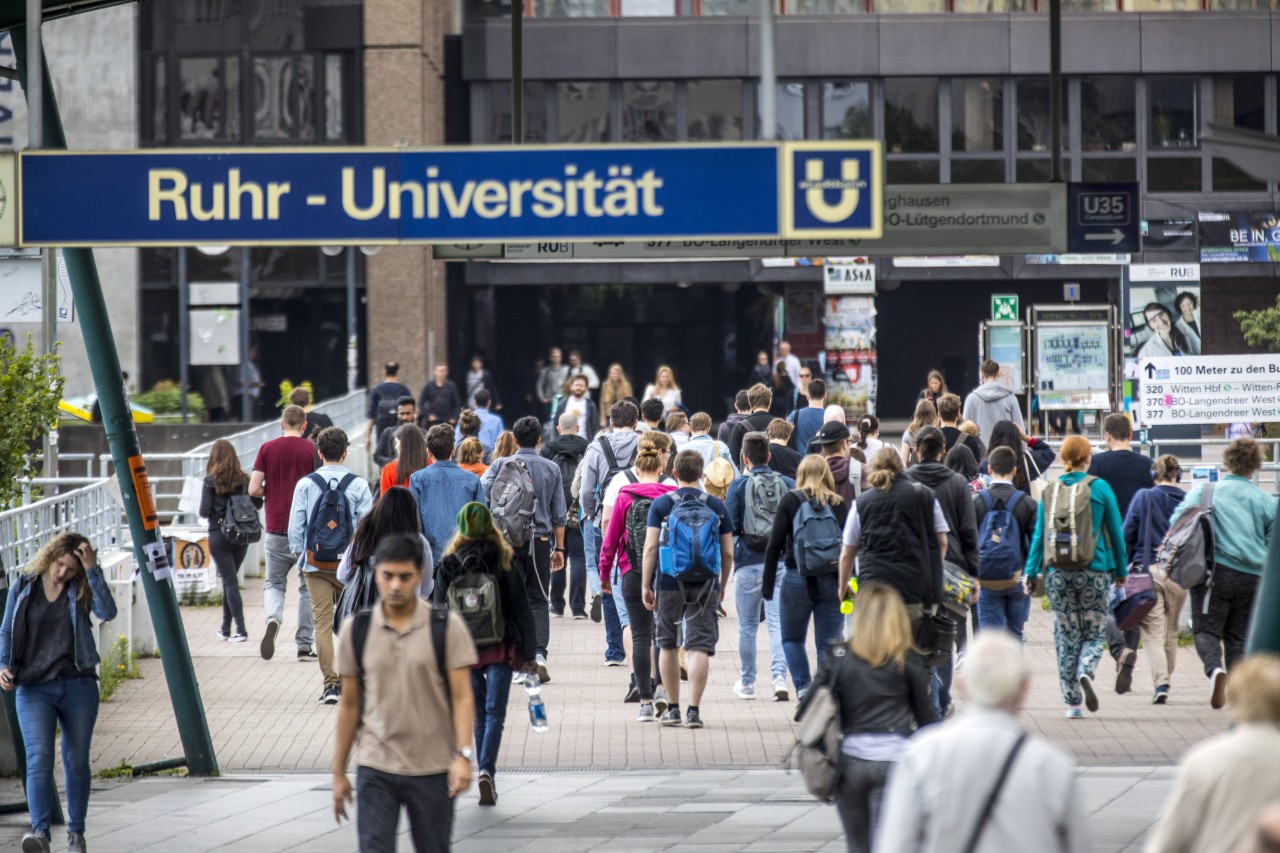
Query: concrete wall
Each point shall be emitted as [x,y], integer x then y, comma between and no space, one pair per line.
[92,60]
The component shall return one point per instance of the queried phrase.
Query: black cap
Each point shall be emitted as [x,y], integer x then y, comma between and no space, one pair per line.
[831,432]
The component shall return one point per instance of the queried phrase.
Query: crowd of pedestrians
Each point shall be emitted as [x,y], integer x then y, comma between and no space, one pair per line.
[641,514]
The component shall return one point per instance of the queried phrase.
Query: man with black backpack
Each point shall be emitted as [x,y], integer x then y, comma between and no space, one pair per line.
[326,507]
[752,501]
[760,399]
[525,493]
[688,548]
[1005,517]
[383,398]
[567,450]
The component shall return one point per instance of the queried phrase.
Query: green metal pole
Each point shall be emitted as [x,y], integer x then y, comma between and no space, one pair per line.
[1264,635]
[99,343]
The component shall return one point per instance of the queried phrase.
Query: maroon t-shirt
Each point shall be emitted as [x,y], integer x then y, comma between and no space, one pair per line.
[283,461]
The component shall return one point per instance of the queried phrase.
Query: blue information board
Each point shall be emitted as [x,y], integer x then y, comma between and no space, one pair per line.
[353,196]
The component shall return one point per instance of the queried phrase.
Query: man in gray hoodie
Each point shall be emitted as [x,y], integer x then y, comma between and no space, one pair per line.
[991,402]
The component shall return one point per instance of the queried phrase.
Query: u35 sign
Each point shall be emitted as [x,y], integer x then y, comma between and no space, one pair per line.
[307,196]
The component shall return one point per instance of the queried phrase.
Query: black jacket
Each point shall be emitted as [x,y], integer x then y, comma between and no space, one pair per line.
[1126,472]
[593,416]
[438,404]
[567,452]
[213,506]
[754,422]
[955,498]
[975,445]
[1024,511]
[517,615]
[385,449]
[896,535]
[1038,452]
[725,432]
[881,699]
[784,460]
[780,538]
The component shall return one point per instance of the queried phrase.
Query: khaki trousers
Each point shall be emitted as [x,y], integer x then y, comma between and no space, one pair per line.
[1160,628]
[324,590]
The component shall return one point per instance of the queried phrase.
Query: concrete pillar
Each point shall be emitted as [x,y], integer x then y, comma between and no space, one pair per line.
[404,105]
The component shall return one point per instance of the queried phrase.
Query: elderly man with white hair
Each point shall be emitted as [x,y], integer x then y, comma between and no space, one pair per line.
[979,783]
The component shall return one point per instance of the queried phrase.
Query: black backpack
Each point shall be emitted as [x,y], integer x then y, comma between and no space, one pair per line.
[241,524]
[636,524]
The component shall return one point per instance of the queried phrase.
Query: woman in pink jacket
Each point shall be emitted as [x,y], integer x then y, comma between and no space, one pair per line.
[624,542]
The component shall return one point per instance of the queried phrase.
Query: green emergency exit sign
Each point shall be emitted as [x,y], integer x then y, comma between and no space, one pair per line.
[1004,306]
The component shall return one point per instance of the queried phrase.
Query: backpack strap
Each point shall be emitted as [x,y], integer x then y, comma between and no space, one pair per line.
[439,631]
[345,482]
[359,637]
[985,815]
[631,476]
[989,501]
[609,456]
[319,481]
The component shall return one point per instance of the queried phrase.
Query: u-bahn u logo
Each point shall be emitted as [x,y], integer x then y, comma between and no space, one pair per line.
[832,189]
[816,187]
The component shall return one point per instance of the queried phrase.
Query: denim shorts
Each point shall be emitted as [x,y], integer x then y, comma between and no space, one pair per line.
[696,604]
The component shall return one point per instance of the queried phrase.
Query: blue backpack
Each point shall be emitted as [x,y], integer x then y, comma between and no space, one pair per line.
[689,548]
[816,539]
[330,528]
[1000,552]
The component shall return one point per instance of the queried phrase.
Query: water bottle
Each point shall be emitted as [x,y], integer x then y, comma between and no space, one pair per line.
[537,710]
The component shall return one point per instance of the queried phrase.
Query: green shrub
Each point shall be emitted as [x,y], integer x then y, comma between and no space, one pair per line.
[118,663]
[165,398]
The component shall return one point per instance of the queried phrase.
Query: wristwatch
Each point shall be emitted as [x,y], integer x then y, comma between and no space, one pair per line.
[558,550]
[466,752]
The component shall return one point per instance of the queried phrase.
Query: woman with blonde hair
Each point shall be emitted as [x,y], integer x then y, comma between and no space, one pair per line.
[479,547]
[470,456]
[224,478]
[48,655]
[1078,594]
[506,445]
[806,529]
[615,387]
[882,687]
[664,388]
[926,414]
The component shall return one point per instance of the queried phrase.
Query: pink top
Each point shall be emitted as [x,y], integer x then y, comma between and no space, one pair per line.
[612,546]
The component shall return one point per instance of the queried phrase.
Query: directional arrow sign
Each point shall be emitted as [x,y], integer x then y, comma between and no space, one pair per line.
[1151,370]
[1104,214]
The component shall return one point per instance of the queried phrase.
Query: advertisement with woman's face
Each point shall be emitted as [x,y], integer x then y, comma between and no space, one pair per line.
[1163,320]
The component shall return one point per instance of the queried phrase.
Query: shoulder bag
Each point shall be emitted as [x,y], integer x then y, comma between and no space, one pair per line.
[984,816]
[935,636]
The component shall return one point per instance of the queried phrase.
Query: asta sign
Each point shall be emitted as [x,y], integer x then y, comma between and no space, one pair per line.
[849,279]
[481,195]
[1104,217]
[1216,389]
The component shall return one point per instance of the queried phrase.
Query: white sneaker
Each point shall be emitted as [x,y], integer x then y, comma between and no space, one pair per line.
[519,676]
[542,669]
[744,691]
[780,692]
[1218,689]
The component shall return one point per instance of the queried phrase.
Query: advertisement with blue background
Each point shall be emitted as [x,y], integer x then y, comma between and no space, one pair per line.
[1239,236]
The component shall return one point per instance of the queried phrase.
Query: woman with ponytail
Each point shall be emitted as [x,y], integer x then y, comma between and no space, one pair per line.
[480,548]
[868,436]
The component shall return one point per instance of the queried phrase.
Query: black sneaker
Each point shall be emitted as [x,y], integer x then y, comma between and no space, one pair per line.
[1124,670]
[268,646]
[1090,697]
[488,791]
[330,696]
[633,692]
[670,718]
[693,719]
[596,604]
[308,654]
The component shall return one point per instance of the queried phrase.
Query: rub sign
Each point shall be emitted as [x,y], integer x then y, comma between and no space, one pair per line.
[327,196]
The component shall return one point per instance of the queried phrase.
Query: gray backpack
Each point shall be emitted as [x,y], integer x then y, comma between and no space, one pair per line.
[475,597]
[1186,554]
[1069,542]
[760,499]
[513,501]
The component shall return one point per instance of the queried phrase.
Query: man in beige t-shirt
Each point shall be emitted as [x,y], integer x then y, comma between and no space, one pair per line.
[414,748]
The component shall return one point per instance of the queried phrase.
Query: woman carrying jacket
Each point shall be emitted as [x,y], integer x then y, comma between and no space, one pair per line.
[804,597]
[479,546]
[651,460]
[1080,599]
[1144,529]
[224,478]
[48,654]
[882,688]
[1034,455]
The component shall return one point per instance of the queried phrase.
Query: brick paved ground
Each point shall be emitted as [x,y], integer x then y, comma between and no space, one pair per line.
[264,716]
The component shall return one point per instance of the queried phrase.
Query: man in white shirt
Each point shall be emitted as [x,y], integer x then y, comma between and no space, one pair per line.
[793,363]
[580,403]
[939,791]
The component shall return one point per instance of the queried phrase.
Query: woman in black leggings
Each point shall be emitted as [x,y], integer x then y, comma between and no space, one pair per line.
[224,478]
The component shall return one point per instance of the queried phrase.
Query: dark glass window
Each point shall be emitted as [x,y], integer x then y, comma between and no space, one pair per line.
[584,113]
[977,171]
[275,26]
[204,102]
[546,8]
[1107,114]
[1175,117]
[1032,171]
[790,106]
[977,115]
[1173,175]
[715,110]
[1109,169]
[911,114]
[284,98]
[1240,101]
[1034,132]
[911,171]
[648,111]
[535,112]
[1229,178]
[846,110]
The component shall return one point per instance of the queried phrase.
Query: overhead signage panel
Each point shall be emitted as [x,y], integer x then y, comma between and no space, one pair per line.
[1215,389]
[476,195]
[1105,216]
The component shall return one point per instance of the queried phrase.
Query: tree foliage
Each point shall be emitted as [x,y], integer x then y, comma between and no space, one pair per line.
[1261,328]
[30,388]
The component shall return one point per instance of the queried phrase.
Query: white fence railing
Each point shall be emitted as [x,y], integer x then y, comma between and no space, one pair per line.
[91,510]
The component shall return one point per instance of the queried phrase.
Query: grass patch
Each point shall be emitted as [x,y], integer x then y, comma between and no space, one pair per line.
[191,598]
[124,771]
[119,663]
[1185,639]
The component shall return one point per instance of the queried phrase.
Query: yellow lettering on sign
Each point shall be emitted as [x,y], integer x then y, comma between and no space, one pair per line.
[166,185]
[379,200]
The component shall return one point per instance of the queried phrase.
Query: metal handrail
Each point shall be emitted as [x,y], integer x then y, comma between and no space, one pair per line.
[91,511]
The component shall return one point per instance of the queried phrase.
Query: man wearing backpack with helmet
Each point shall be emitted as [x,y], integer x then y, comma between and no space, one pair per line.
[322,519]
[688,548]
[1005,516]
[752,502]
[525,493]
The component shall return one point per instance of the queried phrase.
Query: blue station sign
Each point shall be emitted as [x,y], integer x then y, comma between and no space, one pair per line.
[378,196]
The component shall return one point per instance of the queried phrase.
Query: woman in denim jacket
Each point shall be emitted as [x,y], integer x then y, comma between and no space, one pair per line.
[48,654]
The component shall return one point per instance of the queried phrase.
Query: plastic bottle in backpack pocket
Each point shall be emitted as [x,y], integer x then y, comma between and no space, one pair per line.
[537,709]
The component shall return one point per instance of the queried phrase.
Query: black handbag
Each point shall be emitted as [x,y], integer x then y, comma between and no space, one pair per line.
[935,635]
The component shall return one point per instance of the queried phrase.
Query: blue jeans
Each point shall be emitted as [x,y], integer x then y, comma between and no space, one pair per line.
[380,797]
[491,686]
[72,705]
[1004,608]
[801,598]
[942,675]
[612,626]
[746,597]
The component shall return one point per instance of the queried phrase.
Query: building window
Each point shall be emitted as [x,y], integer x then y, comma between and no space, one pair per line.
[1179,175]
[208,91]
[648,8]
[1107,114]
[1240,101]
[902,7]
[825,7]
[335,87]
[977,171]
[977,115]
[790,111]
[911,114]
[1032,116]
[1103,170]
[648,111]
[1162,5]
[1032,170]
[535,112]
[715,110]
[584,114]
[911,172]
[990,6]
[546,8]
[1175,120]
[846,110]
[1230,178]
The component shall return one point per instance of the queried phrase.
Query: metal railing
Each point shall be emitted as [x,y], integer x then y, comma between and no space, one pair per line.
[91,510]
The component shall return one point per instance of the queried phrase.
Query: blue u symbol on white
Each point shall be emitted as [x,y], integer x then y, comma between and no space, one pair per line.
[816,184]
